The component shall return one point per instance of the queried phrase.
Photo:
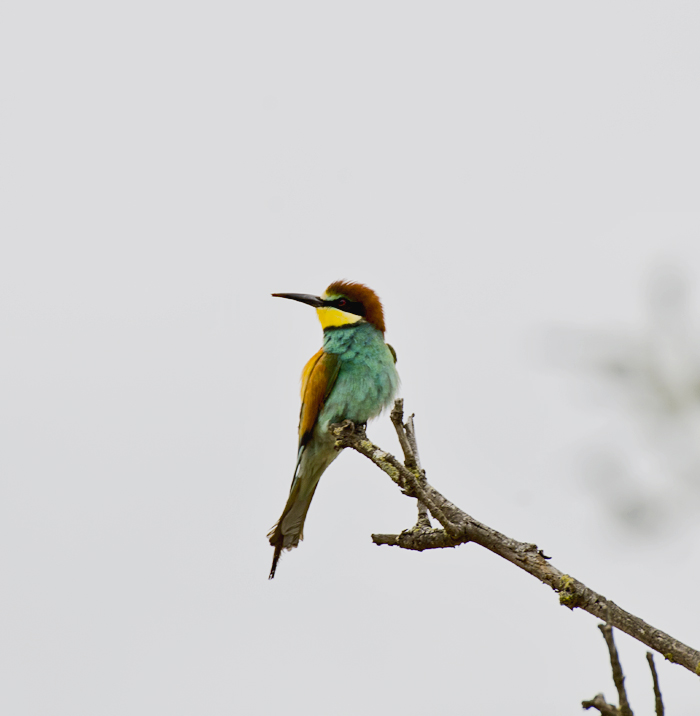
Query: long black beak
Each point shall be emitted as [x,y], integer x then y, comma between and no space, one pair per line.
[314,301]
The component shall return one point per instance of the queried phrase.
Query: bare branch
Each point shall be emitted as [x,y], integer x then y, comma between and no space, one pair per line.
[618,676]
[349,435]
[459,527]
[657,692]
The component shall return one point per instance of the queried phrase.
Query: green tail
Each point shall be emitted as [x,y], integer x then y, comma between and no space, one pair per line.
[313,460]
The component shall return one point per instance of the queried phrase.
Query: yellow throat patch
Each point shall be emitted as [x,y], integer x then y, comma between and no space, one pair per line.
[331,317]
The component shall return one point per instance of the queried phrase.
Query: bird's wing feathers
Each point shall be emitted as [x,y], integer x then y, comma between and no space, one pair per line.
[317,381]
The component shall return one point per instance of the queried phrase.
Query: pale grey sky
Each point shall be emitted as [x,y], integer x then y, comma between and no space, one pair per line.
[493,171]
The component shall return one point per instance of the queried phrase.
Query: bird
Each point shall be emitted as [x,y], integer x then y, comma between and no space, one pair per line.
[352,377]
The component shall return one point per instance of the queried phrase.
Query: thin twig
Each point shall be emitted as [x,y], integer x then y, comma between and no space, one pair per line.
[618,676]
[657,692]
[459,527]
[407,439]
[423,514]
[417,540]
[599,702]
[397,419]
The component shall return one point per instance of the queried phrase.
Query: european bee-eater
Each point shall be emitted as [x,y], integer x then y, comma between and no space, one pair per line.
[351,378]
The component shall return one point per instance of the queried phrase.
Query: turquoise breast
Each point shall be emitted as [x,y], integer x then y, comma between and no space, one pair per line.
[367,379]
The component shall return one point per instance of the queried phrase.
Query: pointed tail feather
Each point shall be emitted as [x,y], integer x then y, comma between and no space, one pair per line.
[275,559]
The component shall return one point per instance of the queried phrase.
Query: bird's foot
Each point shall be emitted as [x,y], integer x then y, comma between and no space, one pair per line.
[346,431]
[349,428]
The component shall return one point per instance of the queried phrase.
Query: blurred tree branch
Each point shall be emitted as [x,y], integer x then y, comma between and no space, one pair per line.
[658,703]
[618,676]
[599,702]
[459,528]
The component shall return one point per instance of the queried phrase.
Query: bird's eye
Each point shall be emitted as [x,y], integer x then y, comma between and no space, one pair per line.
[342,302]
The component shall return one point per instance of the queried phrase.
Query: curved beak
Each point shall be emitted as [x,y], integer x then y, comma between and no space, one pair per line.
[314,301]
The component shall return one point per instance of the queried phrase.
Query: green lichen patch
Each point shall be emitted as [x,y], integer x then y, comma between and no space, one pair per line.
[567,595]
[391,471]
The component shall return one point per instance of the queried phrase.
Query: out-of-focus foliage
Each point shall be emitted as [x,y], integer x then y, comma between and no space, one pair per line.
[646,467]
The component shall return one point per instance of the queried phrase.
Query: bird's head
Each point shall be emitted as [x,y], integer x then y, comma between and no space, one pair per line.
[344,303]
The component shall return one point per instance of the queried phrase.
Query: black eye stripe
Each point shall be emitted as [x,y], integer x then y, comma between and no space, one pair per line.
[348,306]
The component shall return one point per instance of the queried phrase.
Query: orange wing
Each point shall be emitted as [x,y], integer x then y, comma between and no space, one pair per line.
[317,381]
